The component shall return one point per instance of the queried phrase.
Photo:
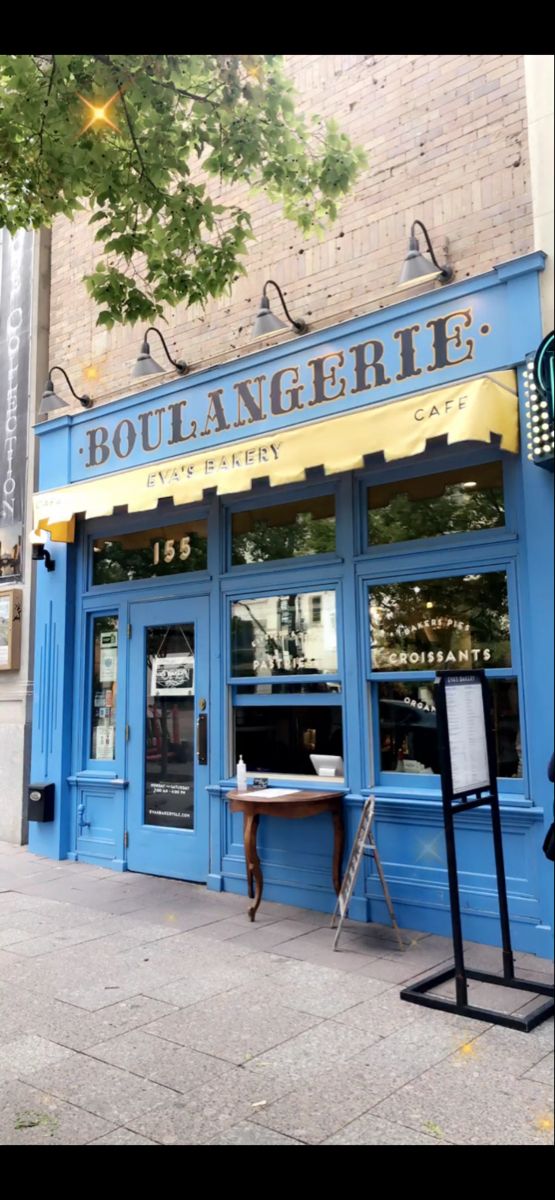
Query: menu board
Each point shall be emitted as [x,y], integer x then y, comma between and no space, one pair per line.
[466,732]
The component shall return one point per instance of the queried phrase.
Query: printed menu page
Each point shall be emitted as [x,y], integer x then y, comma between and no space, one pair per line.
[467,735]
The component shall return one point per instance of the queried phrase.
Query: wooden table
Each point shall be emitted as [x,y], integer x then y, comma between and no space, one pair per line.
[302,804]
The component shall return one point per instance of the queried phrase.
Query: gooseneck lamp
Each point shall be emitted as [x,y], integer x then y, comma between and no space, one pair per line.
[267,322]
[419,269]
[146,364]
[50,401]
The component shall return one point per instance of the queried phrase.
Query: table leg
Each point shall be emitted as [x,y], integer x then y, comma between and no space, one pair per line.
[338,847]
[250,828]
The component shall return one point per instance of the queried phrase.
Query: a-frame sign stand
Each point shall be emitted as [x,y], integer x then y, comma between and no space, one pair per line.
[469,780]
[363,840]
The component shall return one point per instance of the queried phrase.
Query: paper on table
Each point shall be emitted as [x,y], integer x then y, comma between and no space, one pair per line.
[271,793]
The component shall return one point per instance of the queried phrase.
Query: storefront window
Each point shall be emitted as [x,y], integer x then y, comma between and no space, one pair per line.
[283,531]
[288,726]
[105,674]
[433,505]
[289,740]
[408,732]
[149,553]
[461,621]
[284,635]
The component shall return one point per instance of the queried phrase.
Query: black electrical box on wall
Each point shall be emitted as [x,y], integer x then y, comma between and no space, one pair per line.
[40,802]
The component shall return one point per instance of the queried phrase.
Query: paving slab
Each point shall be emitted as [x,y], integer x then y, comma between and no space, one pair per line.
[297,1060]
[29,1053]
[498,1049]
[31,1117]
[381,1015]
[246,1133]
[317,953]
[109,1092]
[469,1105]
[404,1055]
[230,1028]
[321,991]
[123,1137]
[542,1071]
[217,1106]
[177,1067]
[318,1108]
[370,1130]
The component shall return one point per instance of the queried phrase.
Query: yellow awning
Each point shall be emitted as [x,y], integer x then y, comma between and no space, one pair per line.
[470,411]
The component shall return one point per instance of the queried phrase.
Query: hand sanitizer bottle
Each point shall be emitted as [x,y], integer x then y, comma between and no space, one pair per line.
[241,775]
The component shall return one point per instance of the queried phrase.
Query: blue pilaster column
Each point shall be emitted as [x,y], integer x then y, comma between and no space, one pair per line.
[53,698]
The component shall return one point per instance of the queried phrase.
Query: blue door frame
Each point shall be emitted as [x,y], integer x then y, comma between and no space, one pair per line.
[154,849]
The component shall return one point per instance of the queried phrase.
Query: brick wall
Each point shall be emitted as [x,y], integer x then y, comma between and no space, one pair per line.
[447,143]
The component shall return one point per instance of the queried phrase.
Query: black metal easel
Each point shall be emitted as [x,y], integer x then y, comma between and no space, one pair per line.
[484,791]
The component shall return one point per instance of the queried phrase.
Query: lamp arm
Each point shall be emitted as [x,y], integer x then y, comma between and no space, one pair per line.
[179,365]
[300,325]
[428,243]
[68,381]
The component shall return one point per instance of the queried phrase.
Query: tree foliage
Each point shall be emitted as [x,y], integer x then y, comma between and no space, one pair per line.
[181,121]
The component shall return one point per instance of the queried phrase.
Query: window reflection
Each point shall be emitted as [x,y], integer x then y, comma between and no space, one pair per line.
[461,621]
[408,730]
[145,554]
[431,505]
[284,635]
[284,531]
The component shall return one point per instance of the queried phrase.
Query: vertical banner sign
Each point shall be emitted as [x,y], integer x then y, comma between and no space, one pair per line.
[16,261]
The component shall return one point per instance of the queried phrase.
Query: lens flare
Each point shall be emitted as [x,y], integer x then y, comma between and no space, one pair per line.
[99,113]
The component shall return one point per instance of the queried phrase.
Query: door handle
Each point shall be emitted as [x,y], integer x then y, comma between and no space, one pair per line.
[202,740]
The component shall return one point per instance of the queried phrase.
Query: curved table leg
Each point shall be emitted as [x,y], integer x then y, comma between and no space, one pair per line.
[338,847]
[250,828]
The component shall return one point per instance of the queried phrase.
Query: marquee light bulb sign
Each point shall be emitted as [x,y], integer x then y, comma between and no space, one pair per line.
[538,389]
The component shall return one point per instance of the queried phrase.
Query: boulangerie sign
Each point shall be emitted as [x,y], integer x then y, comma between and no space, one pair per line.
[16,261]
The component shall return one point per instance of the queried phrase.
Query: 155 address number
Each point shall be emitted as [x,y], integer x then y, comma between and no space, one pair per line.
[169,550]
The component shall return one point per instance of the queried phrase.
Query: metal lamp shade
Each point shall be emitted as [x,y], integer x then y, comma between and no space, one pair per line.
[417,269]
[50,401]
[145,364]
[265,320]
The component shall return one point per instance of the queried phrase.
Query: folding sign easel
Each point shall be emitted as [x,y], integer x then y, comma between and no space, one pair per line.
[363,840]
[469,768]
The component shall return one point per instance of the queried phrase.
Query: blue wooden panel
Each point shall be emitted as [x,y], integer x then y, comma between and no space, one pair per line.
[97,823]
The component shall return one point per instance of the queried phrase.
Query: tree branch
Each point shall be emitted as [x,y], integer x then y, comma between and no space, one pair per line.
[46,102]
[144,173]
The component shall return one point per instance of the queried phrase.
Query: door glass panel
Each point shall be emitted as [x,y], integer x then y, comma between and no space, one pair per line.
[104,689]
[170,728]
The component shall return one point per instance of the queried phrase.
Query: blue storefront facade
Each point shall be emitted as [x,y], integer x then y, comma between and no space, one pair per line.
[282,551]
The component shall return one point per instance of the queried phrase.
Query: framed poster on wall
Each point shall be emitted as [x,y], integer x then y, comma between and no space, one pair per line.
[10,628]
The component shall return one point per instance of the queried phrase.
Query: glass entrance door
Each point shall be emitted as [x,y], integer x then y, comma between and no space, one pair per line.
[168,739]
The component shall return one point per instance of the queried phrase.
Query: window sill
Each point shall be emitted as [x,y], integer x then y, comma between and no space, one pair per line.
[308,782]
[433,795]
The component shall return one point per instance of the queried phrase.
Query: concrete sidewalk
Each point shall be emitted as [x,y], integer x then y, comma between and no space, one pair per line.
[144,1011]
